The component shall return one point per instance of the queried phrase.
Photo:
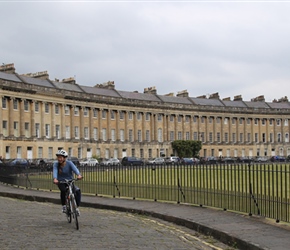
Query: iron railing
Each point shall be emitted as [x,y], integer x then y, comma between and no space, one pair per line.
[255,189]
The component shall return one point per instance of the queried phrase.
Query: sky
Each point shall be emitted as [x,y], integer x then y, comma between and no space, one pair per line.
[230,47]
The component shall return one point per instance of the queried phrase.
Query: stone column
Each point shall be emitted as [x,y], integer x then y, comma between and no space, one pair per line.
[32,119]
[11,117]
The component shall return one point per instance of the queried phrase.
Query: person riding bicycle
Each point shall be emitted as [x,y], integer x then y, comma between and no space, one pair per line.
[63,170]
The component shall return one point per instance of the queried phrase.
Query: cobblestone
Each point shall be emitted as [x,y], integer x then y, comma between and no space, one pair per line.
[35,225]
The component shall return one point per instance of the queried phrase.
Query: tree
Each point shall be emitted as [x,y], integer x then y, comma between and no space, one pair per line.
[187,148]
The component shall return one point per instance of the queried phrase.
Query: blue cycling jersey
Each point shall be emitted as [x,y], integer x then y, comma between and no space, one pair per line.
[66,172]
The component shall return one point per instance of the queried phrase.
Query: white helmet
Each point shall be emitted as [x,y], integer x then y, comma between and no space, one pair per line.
[61,153]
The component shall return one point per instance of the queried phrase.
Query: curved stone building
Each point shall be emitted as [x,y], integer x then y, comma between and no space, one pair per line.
[38,116]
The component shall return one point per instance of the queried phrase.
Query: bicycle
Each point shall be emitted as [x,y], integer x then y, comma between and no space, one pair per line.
[71,205]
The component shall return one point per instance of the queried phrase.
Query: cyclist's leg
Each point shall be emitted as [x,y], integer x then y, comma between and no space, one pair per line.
[78,194]
[63,189]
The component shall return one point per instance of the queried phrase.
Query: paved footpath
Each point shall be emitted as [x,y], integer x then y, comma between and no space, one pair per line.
[41,225]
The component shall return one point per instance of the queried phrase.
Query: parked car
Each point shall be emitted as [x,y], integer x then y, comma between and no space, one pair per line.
[75,160]
[245,159]
[172,160]
[277,158]
[132,161]
[111,162]
[210,160]
[92,162]
[156,161]
[18,162]
[261,159]
[187,161]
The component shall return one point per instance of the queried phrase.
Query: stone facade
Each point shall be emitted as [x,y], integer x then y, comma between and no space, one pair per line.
[38,116]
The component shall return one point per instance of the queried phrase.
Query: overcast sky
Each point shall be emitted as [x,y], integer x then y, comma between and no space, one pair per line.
[204,47]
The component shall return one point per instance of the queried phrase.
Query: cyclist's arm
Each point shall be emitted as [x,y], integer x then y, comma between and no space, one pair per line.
[76,170]
[55,172]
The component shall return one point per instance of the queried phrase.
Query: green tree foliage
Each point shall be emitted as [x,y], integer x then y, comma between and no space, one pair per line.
[187,148]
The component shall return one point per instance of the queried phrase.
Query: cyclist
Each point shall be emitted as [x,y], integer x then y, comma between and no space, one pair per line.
[63,170]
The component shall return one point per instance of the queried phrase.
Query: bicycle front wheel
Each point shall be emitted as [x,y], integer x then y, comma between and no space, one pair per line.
[68,210]
[74,210]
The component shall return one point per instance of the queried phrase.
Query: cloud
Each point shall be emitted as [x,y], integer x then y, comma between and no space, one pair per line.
[232,48]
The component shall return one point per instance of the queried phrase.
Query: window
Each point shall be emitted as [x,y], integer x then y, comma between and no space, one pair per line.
[86,133]
[131,138]
[218,120]
[286,122]
[249,121]
[150,153]
[249,137]
[113,134]
[271,137]
[159,117]
[36,106]
[263,122]
[104,133]
[195,136]
[95,131]
[56,109]
[112,115]
[210,120]
[210,137]
[159,135]
[26,126]
[40,152]
[95,113]
[15,104]
[241,121]
[86,112]
[278,122]
[226,137]
[147,135]
[233,121]
[130,115]
[121,115]
[263,137]
[76,111]
[241,137]
[37,130]
[46,108]
[171,118]
[256,121]
[57,131]
[179,118]
[104,114]
[26,106]
[139,116]
[4,124]
[15,128]
[271,122]
[187,118]
[47,130]
[226,120]
[141,152]
[256,137]
[187,137]
[66,110]
[234,137]
[147,116]
[4,103]
[278,137]
[67,132]
[286,137]
[122,135]
[139,136]
[77,132]
[218,137]
[171,135]
[179,135]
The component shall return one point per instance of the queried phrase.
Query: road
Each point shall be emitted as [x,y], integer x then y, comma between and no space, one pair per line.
[34,225]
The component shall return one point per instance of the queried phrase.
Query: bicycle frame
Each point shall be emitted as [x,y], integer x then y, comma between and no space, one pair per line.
[71,205]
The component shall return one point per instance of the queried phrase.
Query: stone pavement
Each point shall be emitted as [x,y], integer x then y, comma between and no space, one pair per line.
[236,230]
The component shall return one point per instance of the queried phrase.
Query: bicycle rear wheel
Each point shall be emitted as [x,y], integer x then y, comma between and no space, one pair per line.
[74,210]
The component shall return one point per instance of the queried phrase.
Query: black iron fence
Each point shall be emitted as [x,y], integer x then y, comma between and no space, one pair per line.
[255,189]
